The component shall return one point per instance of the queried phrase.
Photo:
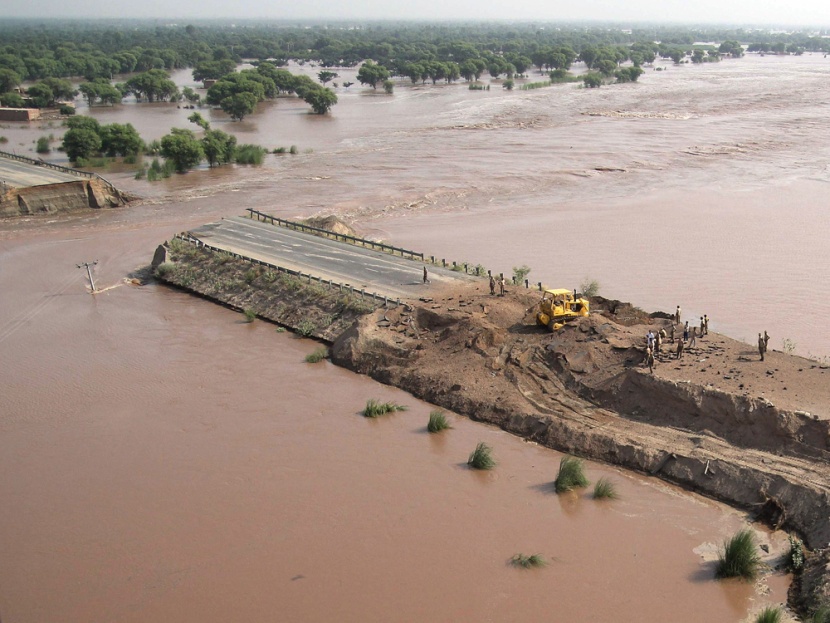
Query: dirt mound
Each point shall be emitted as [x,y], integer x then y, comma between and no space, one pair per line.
[332,224]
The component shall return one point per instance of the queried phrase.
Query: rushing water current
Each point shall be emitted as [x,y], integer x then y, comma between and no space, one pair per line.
[161,460]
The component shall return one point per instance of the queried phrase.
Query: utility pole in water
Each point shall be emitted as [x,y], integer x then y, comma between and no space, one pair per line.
[88,266]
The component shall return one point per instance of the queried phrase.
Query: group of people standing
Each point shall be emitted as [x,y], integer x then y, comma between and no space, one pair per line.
[654,342]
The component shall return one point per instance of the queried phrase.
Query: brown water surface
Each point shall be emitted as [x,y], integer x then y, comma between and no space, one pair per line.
[161,460]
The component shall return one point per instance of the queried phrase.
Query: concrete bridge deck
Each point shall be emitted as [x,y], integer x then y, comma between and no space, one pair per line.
[376,271]
[23,174]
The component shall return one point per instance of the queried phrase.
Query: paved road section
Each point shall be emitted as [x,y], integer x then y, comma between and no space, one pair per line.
[378,272]
[22,174]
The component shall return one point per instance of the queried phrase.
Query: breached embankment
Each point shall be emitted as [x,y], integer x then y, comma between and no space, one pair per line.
[581,391]
[81,194]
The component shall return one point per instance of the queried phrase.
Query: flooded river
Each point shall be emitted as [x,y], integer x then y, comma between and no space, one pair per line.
[161,460]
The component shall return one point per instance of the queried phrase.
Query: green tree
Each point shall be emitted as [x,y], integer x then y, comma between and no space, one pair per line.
[592,80]
[81,143]
[239,105]
[83,123]
[12,100]
[388,86]
[61,89]
[9,80]
[326,76]
[371,73]
[120,140]
[218,147]
[213,70]
[508,84]
[199,120]
[182,148]
[42,145]
[190,95]
[320,99]
[41,95]
[154,84]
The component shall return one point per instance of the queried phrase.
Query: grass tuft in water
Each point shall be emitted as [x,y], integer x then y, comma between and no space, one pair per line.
[437,422]
[605,489]
[526,562]
[571,474]
[739,558]
[376,409]
[482,457]
[770,614]
[318,355]
[250,315]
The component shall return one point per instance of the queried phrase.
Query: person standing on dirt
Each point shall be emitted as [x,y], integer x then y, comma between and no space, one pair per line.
[679,351]
[762,346]
[677,315]
[706,323]
[672,333]
[426,275]
[650,360]
[766,341]
[492,285]
[658,340]
[686,332]
[693,336]
[650,339]
[702,326]
[501,286]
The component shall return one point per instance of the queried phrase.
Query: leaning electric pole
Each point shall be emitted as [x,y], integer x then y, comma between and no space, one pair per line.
[88,266]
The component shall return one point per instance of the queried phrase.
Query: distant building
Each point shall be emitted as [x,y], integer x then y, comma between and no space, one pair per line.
[19,114]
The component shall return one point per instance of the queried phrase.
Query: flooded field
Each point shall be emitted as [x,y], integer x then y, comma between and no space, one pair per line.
[162,460]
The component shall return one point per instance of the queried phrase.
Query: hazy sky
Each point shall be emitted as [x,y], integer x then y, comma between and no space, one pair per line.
[794,12]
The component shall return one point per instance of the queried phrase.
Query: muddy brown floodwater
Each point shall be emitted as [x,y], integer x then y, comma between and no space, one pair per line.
[161,460]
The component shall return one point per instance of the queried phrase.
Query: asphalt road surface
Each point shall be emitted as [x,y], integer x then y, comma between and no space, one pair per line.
[376,271]
[22,174]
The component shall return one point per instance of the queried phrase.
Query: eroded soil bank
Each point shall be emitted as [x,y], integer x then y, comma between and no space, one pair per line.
[583,390]
[62,197]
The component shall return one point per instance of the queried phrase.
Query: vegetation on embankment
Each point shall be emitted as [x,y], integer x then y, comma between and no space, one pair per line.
[310,308]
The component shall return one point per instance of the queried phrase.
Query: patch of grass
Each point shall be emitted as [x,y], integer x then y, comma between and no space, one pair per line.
[788,346]
[3,140]
[795,557]
[605,489]
[250,154]
[437,422]
[571,474]
[739,558]
[526,562]
[821,615]
[770,614]
[250,275]
[293,150]
[250,315]
[280,329]
[306,328]
[375,408]
[318,355]
[42,145]
[165,269]
[482,457]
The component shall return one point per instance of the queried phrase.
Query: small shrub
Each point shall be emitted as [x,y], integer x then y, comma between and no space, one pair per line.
[306,328]
[318,355]
[739,558]
[388,86]
[250,275]
[153,175]
[482,457]
[437,422]
[250,154]
[281,150]
[3,140]
[42,145]
[526,562]
[770,614]
[571,474]
[520,273]
[140,174]
[153,148]
[788,346]
[67,110]
[605,489]
[589,287]
[293,150]
[375,409]
[795,557]
[280,329]
[130,159]
[250,315]
[165,269]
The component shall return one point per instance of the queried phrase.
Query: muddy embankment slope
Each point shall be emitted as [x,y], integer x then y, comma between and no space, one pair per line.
[582,390]
[74,196]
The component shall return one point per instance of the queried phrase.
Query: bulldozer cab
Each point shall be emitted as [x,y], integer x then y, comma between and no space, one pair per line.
[559,306]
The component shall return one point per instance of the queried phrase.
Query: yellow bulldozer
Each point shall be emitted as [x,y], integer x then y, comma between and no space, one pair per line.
[559,306]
